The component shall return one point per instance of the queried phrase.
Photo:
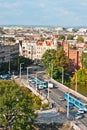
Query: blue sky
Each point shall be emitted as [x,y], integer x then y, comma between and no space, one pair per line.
[43,12]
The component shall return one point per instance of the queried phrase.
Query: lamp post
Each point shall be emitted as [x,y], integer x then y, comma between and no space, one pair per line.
[48,90]
[76,78]
[51,65]
[76,82]
[20,68]
[27,72]
[51,71]
[68,105]
[36,81]
[62,74]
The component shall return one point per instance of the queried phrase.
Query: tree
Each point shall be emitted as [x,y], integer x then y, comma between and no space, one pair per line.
[61,59]
[80,39]
[81,76]
[61,37]
[61,63]
[84,60]
[48,56]
[55,62]
[70,37]
[15,64]
[16,106]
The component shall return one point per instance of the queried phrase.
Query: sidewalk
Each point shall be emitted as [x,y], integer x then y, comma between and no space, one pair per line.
[77,125]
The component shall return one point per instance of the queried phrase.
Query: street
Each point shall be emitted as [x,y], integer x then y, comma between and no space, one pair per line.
[55,94]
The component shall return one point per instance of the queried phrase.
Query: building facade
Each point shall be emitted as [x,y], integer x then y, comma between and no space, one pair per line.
[35,50]
[8,52]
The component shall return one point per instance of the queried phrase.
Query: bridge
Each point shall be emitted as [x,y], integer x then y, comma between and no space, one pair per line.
[76,102]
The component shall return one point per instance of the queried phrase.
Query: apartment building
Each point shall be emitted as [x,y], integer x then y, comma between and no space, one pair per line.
[8,52]
[42,46]
[35,50]
[27,49]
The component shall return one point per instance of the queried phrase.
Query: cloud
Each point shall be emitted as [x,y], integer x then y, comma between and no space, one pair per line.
[43,12]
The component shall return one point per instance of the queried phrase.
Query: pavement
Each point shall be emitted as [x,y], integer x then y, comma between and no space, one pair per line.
[50,116]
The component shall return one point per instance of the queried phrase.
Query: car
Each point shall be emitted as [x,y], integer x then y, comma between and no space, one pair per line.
[61,98]
[81,111]
[33,82]
[40,87]
[29,79]
[79,116]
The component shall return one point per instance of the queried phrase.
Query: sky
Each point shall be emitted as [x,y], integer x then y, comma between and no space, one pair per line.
[43,12]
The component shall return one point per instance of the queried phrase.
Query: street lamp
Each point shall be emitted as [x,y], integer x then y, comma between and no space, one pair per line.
[76,78]
[76,82]
[27,72]
[68,105]
[62,74]
[51,65]
[51,71]
[36,81]
[20,68]
[48,90]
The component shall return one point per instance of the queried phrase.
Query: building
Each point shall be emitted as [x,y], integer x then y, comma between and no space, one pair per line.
[35,50]
[74,55]
[8,52]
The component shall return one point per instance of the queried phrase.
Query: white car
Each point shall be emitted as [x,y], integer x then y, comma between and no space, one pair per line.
[78,116]
[81,111]
[40,87]
[61,98]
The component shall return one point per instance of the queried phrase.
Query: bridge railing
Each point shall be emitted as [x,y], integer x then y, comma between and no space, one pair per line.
[67,89]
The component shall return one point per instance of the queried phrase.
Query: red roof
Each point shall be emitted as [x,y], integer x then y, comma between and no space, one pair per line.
[48,43]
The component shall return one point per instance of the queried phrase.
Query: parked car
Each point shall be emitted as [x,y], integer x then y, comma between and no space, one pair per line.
[5,77]
[61,98]
[81,111]
[79,116]
[40,87]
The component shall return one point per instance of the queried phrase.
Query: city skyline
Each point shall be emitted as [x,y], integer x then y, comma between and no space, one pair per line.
[47,12]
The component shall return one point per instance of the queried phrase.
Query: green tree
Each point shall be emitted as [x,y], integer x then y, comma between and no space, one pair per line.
[16,106]
[61,37]
[70,37]
[61,62]
[48,56]
[84,60]
[15,64]
[61,59]
[80,39]
[56,62]
[81,76]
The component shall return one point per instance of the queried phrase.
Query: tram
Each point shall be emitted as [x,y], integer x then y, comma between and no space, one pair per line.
[76,102]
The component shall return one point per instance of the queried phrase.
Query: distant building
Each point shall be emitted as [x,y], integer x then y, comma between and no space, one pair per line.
[35,50]
[74,55]
[8,52]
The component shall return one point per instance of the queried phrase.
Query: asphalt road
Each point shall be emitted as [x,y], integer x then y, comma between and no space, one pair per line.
[55,94]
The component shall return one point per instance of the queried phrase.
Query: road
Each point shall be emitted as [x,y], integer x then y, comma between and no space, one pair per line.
[55,94]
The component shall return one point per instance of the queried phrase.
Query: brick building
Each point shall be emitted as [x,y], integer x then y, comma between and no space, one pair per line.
[74,55]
